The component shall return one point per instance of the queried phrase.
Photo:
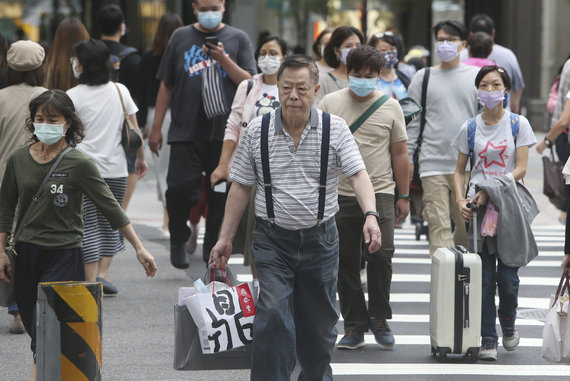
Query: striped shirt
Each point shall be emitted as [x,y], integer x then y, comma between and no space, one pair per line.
[295,173]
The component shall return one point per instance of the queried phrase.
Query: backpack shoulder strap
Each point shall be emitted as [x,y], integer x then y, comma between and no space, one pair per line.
[126,52]
[515,126]
[249,86]
[471,129]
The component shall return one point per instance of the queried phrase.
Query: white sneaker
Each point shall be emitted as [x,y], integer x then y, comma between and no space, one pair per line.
[488,354]
[511,342]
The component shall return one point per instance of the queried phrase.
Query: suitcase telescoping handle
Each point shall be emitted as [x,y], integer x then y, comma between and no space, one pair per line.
[474,209]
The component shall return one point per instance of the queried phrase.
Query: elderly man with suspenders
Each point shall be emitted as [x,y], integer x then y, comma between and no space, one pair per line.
[295,155]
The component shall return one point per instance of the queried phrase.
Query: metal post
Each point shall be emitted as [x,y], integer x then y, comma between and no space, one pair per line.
[68,338]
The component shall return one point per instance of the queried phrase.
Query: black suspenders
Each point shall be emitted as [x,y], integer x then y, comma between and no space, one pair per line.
[325,145]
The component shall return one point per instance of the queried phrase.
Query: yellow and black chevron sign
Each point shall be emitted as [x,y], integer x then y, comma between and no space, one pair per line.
[77,307]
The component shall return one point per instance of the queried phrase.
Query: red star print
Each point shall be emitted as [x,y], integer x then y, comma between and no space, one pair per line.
[501,150]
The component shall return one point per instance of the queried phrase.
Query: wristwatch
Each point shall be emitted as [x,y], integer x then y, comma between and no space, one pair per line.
[372,213]
[547,142]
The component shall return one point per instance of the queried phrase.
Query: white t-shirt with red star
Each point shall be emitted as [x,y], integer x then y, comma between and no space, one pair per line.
[494,148]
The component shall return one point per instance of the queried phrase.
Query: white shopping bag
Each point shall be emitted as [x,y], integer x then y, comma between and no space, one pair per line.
[556,332]
[224,317]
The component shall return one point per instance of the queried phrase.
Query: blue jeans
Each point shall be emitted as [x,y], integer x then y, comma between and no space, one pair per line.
[302,263]
[505,278]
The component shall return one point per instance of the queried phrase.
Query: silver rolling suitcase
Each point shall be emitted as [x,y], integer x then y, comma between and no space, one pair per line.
[455,302]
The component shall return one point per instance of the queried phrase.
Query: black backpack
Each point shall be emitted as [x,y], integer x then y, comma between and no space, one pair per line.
[117,58]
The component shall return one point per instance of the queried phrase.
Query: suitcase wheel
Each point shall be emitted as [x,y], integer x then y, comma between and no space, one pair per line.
[441,354]
[472,354]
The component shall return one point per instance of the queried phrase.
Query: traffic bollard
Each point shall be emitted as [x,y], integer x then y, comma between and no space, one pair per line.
[68,337]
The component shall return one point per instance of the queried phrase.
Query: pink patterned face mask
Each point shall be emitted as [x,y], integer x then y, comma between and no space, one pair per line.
[490,220]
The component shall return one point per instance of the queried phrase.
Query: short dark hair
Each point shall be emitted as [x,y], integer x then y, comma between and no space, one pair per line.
[337,38]
[110,18]
[282,44]
[60,101]
[299,61]
[364,57]
[317,42]
[388,37]
[452,27]
[94,56]
[490,68]
[31,78]
[482,23]
[480,44]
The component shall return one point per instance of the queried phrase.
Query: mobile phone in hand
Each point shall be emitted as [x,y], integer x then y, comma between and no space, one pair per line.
[213,40]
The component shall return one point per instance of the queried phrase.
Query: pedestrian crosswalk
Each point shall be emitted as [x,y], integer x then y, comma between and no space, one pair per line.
[409,299]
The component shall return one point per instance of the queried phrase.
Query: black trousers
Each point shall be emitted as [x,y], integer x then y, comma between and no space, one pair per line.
[35,264]
[184,189]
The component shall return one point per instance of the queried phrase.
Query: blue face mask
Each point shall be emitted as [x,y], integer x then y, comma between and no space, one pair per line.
[48,133]
[362,87]
[210,19]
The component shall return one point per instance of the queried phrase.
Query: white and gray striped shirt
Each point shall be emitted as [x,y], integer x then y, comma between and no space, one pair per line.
[295,173]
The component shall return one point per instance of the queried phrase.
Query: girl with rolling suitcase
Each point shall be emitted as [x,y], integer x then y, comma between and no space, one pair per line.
[496,142]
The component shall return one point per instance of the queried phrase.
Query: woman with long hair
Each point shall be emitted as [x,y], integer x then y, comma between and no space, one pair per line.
[98,103]
[342,40]
[59,74]
[150,61]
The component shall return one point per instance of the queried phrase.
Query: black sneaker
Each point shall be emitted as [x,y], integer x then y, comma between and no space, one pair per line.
[382,333]
[352,340]
[178,256]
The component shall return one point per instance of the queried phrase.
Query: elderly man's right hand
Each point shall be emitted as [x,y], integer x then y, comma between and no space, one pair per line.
[221,253]
[5,267]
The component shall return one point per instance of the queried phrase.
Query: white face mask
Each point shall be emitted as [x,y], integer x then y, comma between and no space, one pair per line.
[269,64]
[76,73]
[49,133]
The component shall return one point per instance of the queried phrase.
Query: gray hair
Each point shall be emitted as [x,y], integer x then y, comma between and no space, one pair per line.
[299,61]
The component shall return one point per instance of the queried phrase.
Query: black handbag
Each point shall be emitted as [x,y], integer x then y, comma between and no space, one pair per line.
[131,140]
[7,290]
[553,181]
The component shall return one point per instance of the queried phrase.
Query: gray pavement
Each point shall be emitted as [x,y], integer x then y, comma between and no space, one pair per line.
[138,323]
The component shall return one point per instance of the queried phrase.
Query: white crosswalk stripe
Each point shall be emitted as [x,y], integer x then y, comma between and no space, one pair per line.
[409,299]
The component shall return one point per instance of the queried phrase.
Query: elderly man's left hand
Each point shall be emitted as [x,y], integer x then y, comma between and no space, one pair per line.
[372,235]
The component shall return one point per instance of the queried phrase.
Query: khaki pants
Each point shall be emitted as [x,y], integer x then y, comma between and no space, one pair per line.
[439,197]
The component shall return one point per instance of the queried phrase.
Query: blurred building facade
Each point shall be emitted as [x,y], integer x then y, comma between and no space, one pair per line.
[534,29]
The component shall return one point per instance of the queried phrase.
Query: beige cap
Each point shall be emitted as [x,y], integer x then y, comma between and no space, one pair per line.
[25,55]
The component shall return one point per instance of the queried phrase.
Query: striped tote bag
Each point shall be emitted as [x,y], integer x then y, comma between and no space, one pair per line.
[213,94]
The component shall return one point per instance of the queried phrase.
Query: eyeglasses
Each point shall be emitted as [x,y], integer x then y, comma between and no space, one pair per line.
[382,34]
[448,39]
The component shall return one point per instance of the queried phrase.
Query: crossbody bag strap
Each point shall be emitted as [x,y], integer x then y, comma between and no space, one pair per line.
[423,114]
[125,114]
[369,111]
[265,166]
[39,192]
[325,147]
